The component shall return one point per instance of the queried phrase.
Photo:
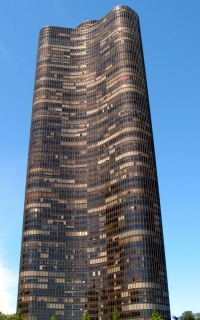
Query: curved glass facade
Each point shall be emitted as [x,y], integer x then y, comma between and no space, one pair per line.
[92,232]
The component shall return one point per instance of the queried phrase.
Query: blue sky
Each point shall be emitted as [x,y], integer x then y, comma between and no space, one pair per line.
[170,32]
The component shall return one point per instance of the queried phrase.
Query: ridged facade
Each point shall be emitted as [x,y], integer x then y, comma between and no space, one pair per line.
[92,232]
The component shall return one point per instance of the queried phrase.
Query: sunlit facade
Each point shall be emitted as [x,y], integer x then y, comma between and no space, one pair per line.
[92,232]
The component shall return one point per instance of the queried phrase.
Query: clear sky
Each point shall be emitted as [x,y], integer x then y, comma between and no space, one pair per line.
[171,34]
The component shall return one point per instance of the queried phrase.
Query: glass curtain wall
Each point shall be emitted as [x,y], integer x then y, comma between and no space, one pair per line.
[92,231]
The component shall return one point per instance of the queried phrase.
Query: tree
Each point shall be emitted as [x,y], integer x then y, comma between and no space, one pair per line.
[155,316]
[18,315]
[86,316]
[53,318]
[3,316]
[187,315]
[116,315]
[15,316]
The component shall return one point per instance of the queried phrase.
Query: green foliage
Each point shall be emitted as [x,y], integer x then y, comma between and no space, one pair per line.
[155,316]
[187,315]
[53,318]
[116,315]
[15,316]
[3,316]
[18,315]
[86,316]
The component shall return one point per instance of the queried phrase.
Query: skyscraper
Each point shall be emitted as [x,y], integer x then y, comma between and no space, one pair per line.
[92,233]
